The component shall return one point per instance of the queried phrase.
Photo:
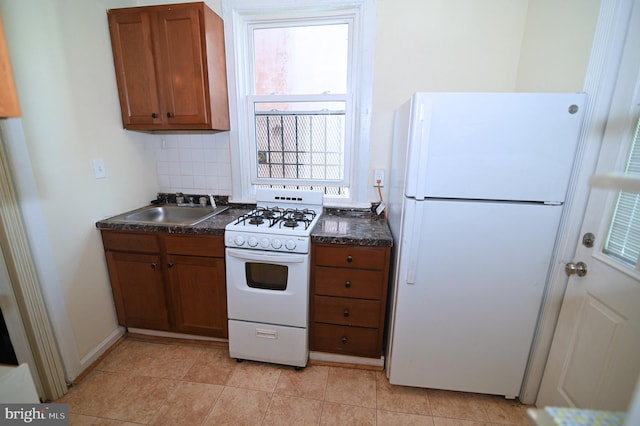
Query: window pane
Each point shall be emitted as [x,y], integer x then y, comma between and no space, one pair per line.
[266,277]
[623,240]
[300,140]
[301,60]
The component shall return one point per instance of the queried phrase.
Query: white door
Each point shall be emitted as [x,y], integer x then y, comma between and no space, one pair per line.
[594,360]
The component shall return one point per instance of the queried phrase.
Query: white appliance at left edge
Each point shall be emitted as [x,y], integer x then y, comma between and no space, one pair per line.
[477,187]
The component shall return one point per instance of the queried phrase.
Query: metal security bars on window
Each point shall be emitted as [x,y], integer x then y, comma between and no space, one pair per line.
[305,145]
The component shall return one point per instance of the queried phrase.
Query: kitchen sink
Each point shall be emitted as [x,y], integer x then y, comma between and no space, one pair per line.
[170,215]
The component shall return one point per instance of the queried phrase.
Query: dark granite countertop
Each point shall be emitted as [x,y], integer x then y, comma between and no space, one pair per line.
[353,227]
[336,226]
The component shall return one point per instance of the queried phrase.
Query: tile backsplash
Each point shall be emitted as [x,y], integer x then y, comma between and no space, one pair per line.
[193,163]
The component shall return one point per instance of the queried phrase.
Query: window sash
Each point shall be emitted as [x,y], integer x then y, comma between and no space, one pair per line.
[347,148]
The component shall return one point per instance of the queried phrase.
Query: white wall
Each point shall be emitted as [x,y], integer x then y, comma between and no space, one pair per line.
[64,71]
[556,45]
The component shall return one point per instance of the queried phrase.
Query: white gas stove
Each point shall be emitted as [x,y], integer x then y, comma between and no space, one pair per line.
[267,264]
[282,221]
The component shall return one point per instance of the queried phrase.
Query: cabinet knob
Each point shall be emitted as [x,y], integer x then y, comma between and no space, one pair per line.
[170,265]
[154,265]
[344,340]
[154,115]
[169,115]
[349,259]
[347,284]
[346,313]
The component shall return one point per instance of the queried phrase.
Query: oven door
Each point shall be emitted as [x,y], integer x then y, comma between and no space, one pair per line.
[268,287]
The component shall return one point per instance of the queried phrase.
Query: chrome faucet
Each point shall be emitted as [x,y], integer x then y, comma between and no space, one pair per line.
[180,200]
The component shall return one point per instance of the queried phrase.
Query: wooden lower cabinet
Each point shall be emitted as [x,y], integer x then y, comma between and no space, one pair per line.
[348,299]
[138,290]
[197,285]
[168,282]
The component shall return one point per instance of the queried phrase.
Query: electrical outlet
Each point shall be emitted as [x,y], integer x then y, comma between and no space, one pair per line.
[378,175]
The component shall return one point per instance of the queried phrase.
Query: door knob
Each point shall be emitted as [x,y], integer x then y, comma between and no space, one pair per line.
[578,268]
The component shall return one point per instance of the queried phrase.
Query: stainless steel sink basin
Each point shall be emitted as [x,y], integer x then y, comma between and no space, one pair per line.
[170,215]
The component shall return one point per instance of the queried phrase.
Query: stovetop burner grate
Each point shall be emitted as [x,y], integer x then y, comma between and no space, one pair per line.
[272,216]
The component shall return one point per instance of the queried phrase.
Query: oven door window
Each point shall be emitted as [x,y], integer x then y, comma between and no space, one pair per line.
[266,276]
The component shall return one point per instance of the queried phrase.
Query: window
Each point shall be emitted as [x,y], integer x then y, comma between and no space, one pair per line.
[623,239]
[301,91]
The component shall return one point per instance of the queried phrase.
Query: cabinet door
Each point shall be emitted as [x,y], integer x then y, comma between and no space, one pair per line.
[138,290]
[133,58]
[198,295]
[180,50]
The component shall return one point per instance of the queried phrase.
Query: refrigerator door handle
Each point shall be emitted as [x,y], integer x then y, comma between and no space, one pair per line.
[414,241]
[426,111]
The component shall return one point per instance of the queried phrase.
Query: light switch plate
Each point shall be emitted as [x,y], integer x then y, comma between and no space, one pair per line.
[98,168]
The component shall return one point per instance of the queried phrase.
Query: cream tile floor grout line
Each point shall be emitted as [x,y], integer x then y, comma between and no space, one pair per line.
[143,382]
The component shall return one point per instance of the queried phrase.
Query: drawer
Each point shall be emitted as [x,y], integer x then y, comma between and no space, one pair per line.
[344,311]
[344,282]
[130,241]
[350,257]
[345,340]
[195,245]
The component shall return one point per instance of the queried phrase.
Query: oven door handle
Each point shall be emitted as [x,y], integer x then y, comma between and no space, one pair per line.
[265,256]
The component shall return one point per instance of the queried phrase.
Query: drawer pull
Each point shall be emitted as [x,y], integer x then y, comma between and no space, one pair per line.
[347,284]
[154,265]
[346,313]
[170,265]
[349,259]
[344,340]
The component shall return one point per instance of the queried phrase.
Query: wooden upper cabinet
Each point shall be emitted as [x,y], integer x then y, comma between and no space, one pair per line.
[170,67]
[9,106]
[135,68]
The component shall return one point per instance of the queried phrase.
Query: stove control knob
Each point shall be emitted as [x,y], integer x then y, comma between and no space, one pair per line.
[253,241]
[239,240]
[276,243]
[264,243]
[290,244]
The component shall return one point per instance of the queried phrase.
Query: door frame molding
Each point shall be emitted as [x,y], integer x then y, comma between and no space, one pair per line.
[602,72]
[44,361]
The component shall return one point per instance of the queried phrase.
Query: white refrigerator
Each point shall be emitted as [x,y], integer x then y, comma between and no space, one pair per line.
[478,183]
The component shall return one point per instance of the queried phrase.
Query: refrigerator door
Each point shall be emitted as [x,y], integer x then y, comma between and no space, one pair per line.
[468,288]
[495,146]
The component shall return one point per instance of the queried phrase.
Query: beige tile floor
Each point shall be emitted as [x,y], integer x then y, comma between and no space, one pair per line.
[143,382]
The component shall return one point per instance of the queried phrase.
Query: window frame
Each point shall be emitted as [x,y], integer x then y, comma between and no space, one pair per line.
[239,16]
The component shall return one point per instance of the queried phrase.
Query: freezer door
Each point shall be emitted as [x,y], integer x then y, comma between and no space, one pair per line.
[498,146]
[467,292]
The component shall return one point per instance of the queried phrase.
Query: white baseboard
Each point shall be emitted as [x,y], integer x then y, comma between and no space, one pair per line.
[94,354]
